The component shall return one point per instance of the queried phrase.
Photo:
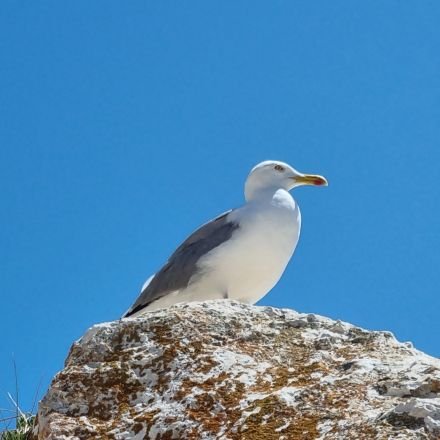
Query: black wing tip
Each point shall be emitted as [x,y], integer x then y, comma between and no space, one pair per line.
[134,310]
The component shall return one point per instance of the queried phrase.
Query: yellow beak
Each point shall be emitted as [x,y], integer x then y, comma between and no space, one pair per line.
[311,179]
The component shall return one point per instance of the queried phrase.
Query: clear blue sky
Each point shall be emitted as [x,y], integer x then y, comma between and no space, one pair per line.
[125,125]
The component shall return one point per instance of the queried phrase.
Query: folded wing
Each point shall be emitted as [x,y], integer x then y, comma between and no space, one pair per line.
[176,274]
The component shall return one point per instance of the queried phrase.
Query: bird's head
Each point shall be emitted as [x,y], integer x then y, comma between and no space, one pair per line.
[272,175]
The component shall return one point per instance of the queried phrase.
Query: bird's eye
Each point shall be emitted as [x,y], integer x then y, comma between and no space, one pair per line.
[278,168]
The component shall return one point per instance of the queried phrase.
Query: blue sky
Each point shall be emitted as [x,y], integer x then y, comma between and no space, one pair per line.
[125,125]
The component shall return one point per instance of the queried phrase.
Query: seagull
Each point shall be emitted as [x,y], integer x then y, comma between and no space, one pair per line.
[242,253]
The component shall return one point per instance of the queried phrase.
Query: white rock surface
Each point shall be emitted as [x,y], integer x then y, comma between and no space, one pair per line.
[224,370]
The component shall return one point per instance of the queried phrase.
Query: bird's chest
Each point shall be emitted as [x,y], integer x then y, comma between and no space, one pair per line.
[269,237]
[255,258]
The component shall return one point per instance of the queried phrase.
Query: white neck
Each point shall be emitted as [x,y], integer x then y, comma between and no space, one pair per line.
[253,193]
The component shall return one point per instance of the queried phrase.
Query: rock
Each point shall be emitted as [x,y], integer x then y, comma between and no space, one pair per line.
[225,370]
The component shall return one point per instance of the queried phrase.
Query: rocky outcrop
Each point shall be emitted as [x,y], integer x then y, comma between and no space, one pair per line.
[224,370]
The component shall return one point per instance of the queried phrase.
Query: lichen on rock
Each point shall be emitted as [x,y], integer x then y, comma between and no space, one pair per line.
[225,370]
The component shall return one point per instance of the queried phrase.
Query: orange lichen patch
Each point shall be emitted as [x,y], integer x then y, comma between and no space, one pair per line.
[340,397]
[275,418]
[106,392]
[145,416]
[206,364]
[217,392]
[299,374]
[365,432]
[435,386]
[347,353]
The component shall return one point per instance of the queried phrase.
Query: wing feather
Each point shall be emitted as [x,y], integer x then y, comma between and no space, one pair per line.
[176,274]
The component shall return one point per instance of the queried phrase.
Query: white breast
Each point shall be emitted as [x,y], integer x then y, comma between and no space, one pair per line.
[253,260]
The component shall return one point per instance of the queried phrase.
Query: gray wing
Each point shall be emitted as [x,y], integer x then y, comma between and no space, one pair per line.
[182,264]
